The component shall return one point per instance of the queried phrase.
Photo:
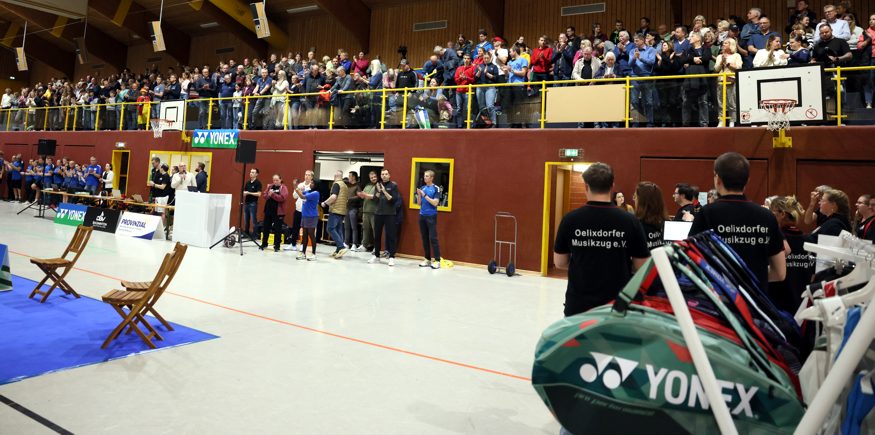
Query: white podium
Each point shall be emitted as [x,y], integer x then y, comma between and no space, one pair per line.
[201,219]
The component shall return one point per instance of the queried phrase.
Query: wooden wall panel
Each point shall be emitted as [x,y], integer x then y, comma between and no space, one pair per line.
[203,49]
[523,18]
[322,31]
[138,55]
[392,25]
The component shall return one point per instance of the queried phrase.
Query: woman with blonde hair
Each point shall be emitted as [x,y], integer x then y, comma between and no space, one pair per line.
[835,207]
[800,265]
[280,87]
[728,62]
[773,55]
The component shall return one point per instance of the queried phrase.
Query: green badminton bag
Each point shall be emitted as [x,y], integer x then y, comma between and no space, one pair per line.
[625,369]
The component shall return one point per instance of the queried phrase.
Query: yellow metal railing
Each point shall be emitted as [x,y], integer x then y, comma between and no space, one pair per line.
[100,116]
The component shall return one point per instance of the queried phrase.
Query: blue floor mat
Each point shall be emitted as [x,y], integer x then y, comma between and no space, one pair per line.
[65,332]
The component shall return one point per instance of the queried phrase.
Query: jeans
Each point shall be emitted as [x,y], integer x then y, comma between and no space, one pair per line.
[249,211]
[226,113]
[203,111]
[461,109]
[695,100]
[869,87]
[730,104]
[368,230]
[642,99]
[486,98]
[131,118]
[91,189]
[428,231]
[387,222]
[259,113]
[335,229]
[155,109]
[351,226]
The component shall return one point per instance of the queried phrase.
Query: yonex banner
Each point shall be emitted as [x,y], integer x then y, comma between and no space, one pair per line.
[102,219]
[215,139]
[70,214]
[138,225]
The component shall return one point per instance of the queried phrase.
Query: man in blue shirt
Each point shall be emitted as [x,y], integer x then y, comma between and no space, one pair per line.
[752,26]
[15,169]
[680,43]
[622,50]
[428,197]
[641,61]
[758,40]
[516,70]
[262,105]
[92,178]
[226,107]
[58,174]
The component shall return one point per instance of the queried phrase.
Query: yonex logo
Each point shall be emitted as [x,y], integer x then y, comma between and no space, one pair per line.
[610,378]
[200,138]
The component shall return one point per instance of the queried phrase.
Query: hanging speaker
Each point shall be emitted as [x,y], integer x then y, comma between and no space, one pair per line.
[262,29]
[156,36]
[20,59]
[46,147]
[245,151]
[81,51]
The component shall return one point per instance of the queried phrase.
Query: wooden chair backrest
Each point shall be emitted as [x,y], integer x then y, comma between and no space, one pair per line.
[78,243]
[156,282]
[161,283]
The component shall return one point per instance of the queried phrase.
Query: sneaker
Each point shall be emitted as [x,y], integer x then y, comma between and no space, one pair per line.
[436,265]
[289,248]
[345,246]
[311,257]
[340,253]
[276,249]
[374,260]
[385,254]
[301,256]
[333,254]
[869,106]
[425,263]
[391,262]
[357,248]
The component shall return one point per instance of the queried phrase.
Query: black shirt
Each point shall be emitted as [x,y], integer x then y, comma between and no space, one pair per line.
[252,186]
[679,216]
[653,235]
[386,207]
[786,294]
[406,79]
[750,229]
[866,229]
[600,238]
[834,47]
[164,179]
[153,177]
[832,226]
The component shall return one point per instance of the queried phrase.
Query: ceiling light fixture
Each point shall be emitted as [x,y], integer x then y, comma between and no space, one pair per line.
[302,9]
[209,25]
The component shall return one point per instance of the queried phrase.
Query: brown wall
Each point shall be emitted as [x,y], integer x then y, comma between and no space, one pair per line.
[504,169]
[203,49]
[319,30]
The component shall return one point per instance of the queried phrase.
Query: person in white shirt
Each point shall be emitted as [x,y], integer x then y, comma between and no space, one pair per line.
[728,62]
[108,178]
[773,55]
[840,28]
[183,179]
[6,101]
[299,203]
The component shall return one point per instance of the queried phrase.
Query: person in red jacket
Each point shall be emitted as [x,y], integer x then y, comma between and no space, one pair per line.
[464,76]
[542,59]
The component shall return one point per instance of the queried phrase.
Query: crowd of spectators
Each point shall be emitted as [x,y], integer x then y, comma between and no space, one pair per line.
[725,46]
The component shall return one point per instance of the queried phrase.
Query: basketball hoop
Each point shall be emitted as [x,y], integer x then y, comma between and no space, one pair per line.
[779,121]
[778,110]
[159,125]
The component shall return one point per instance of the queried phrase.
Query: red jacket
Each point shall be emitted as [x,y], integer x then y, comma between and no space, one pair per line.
[541,59]
[280,197]
[464,76]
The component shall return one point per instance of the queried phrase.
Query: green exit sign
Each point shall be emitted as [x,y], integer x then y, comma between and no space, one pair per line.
[570,153]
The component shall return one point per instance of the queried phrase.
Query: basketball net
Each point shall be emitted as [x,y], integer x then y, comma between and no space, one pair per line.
[779,120]
[158,126]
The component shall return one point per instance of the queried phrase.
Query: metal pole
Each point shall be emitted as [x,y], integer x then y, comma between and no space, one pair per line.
[543,102]
[468,115]
[210,115]
[838,80]
[723,116]
[383,114]
[286,114]
[404,112]
[97,118]
[628,98]
[245,112]
[331,117]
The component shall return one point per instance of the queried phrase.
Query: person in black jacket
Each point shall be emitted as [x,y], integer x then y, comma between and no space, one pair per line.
[834,204]
[695,60]
[668,63]
[563,59]
[786,294]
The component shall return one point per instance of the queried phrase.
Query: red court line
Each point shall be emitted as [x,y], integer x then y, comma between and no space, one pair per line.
[318,331]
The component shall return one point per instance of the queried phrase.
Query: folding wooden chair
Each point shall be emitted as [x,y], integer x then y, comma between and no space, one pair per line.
[50,266]
[138,303]
[141,286]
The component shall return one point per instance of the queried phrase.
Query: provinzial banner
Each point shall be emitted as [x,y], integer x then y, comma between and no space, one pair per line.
[102,219]
[138,225]
[70,214]
[214,139]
